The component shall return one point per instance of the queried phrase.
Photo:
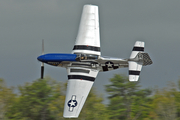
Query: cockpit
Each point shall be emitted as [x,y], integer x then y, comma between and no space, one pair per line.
[86,57]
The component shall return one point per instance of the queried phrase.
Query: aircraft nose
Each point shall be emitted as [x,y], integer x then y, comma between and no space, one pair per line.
[40,58]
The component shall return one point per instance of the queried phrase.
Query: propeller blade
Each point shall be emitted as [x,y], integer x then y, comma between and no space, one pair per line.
[42,46]
[42,64]
[42,70]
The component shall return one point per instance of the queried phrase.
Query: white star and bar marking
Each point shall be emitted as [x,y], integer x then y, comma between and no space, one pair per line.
[72,103]
[109,65]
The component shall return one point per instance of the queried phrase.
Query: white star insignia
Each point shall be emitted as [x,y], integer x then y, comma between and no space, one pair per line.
[72,103]
[109,65]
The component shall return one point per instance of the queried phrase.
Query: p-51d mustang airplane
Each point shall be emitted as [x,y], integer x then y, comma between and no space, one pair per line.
[86,61]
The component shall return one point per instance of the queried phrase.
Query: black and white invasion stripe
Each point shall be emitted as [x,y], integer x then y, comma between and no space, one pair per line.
[138,49]
[81,77]
[133,72]
[86,47]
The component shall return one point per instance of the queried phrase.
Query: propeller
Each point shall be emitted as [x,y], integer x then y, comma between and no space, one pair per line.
[42,64]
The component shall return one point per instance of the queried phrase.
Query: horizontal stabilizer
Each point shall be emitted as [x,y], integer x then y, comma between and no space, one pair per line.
[138,47]
[135,66]
[134,70]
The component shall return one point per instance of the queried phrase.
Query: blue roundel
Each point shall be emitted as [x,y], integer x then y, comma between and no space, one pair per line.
[72,103]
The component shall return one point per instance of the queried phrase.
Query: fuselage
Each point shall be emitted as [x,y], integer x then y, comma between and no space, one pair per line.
[83,60]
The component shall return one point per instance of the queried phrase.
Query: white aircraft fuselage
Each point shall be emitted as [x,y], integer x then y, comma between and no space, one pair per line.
[83,60]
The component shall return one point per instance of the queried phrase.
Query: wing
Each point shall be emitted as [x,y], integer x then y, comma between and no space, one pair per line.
[80,81]
[88,38]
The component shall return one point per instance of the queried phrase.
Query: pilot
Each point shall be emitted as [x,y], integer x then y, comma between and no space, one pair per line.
[82,58]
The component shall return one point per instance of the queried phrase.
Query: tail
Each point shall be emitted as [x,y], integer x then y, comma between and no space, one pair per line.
[138,59]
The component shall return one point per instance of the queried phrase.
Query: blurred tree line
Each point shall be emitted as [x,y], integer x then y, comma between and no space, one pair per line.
[43,99]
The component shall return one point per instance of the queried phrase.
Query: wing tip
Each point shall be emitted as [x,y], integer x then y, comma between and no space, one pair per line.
[90,5]
[70,116]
